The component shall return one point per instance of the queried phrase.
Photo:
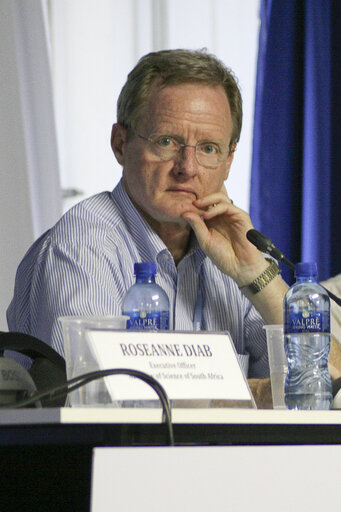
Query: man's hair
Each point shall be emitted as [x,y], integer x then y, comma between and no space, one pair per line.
[173,67]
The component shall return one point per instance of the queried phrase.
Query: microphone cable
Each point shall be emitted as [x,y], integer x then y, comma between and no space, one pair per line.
[82,380]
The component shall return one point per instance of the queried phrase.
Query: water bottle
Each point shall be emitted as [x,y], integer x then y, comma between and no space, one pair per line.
[146,303]
[307,341]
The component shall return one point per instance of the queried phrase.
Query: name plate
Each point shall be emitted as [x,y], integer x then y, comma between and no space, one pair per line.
[188,365]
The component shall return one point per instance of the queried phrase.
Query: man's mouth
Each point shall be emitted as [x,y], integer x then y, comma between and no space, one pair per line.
[183,191]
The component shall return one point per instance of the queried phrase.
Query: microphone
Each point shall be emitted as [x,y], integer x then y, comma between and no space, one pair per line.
[264,244]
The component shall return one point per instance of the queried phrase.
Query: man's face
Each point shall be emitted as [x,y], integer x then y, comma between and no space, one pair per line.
[190,113]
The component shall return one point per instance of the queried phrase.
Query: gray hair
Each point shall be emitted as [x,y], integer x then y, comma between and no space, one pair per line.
[168,67]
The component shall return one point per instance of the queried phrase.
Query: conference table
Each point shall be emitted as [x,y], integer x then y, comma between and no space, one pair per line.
[46,454]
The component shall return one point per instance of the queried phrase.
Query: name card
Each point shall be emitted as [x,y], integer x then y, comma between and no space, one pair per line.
[188,365]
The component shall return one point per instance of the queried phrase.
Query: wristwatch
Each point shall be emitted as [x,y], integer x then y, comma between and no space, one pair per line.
[264,278]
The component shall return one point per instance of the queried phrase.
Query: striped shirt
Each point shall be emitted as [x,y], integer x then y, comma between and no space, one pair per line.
[83,266]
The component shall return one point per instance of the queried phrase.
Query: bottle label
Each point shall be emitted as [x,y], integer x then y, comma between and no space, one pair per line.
[144,320]
[307,322]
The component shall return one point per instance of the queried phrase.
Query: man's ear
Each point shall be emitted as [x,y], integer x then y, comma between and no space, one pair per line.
[118,142]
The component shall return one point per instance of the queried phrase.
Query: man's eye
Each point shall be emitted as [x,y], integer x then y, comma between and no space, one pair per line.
[165,142]
[209,149]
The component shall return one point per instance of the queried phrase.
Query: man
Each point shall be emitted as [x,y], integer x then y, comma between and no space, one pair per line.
[179,121]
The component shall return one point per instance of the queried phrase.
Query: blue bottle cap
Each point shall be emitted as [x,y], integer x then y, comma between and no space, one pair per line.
[306,269]
[146,267]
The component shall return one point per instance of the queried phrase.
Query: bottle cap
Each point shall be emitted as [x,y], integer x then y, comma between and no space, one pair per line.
[306,269]
[146,267]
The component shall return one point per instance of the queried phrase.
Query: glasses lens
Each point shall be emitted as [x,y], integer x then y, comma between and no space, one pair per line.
[208,154]
[164,147]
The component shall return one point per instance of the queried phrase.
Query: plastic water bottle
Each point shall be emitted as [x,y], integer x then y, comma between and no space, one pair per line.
[146,303]
[307,342]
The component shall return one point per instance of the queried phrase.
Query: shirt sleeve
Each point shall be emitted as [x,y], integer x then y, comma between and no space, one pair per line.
[59,280]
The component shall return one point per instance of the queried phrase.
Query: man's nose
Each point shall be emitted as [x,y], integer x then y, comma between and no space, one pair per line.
[187,163]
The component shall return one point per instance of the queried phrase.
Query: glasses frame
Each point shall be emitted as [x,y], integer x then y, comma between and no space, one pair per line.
[183,146]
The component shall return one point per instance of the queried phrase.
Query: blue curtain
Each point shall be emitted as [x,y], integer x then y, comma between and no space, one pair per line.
[296,168]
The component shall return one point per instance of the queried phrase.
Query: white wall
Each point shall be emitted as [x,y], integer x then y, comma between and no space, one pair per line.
[29,177]
[14,201]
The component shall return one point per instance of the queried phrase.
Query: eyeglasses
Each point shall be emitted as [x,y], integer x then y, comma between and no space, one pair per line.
[166,147]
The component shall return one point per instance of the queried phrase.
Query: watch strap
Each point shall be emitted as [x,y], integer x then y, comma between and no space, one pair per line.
[263,279]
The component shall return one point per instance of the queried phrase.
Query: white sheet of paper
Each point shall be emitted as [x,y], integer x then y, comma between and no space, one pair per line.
[187,365]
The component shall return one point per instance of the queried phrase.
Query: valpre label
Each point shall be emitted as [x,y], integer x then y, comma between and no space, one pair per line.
[144,320]
[307,322]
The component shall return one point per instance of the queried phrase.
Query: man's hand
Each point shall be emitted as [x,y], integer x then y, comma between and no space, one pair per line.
[220,228]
